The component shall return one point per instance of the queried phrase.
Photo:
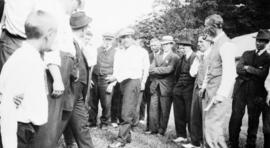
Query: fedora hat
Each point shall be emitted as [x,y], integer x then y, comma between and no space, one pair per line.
[167,39]
[263,34]
[79,20]
[184,41]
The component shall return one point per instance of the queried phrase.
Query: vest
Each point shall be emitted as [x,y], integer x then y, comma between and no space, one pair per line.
[202,71]
[105,60]
[184,77]
[81,65]
[215,67]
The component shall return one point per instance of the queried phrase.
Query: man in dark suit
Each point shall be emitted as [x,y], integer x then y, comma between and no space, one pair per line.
[182,91]
[249,90]
[162,71]
[155,46]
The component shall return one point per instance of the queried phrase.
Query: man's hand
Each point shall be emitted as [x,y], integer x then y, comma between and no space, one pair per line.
[268,100]
[58,89]
[246,67]
[18,100]
[110,79]
[218,99]
[202,93]
[92,84]
[142,86]
[151,70]
[110,87]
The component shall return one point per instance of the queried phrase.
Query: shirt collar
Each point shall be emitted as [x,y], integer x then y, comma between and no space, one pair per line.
[188,54]
[219,36]
[261,51]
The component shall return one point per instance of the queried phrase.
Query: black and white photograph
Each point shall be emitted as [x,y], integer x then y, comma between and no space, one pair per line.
[134,74]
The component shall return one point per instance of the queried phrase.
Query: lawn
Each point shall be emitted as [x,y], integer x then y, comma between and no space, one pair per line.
[101,138]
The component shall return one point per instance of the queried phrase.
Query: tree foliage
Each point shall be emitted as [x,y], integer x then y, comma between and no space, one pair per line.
[186,20]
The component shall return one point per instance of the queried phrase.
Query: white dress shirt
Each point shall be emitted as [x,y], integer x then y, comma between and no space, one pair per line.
[23,74]
[15,14]
[131,63]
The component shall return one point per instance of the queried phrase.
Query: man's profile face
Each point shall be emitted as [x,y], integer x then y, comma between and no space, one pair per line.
[203,44]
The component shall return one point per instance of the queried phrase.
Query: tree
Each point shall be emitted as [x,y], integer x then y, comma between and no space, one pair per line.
[182,20]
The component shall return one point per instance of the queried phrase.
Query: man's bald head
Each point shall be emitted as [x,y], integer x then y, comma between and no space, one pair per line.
[38,24]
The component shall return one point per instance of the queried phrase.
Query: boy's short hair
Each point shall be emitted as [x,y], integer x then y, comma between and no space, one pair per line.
[38,23]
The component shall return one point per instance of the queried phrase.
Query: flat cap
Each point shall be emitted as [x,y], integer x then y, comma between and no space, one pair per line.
[126,31]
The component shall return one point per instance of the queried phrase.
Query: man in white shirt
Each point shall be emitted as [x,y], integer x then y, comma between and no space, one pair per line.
[220,78]
[182,91]
[23,78]
[131,71]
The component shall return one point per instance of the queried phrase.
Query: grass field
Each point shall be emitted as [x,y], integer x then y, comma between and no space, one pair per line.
[101,138]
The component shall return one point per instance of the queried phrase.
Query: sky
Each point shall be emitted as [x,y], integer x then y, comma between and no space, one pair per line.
[112,15]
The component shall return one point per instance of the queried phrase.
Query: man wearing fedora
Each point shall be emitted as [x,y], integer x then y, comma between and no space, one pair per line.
[162,74]
[249,90]
[198,69]
[182,91]
[103,69]
[131,64]
[78,118]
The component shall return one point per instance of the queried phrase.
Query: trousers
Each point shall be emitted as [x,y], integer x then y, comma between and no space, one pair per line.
[130,89]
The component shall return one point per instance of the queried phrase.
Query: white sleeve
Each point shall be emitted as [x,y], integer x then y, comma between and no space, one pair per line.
[267,83]
[52,57]
[194,67]
[116,65]
[146,65]
[228,69]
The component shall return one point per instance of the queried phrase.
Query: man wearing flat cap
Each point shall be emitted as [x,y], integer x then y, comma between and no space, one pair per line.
[130,69]
[155,46]
[162,74]
[78,118]
[103,69]
[249,90]
[182,91]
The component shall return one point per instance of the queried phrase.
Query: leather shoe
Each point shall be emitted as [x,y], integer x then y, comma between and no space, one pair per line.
[116,144]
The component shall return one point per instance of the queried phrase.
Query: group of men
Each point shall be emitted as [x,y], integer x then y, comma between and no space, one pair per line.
[50,85]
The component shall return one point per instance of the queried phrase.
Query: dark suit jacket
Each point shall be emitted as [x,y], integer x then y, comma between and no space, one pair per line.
[162,72]
[251,82]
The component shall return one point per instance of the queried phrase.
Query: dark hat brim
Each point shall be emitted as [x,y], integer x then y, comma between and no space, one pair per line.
[82,25]
[261,38]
